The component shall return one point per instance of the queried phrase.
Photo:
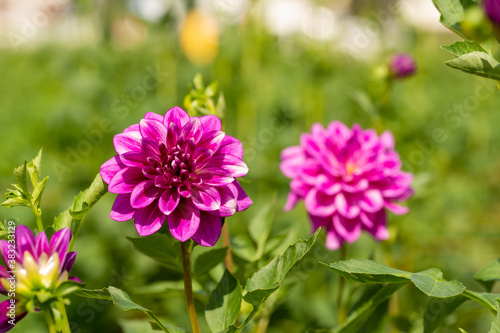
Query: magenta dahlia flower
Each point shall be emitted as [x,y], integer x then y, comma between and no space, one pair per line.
[176,168]
[402,65]
[34,270]
[347,178]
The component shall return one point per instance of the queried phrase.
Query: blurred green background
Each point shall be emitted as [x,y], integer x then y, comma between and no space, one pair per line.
[72,81]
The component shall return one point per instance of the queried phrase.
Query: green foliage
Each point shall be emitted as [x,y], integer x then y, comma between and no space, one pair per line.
[430,282]
[123,302]
[462,18]
[165,250]
[200,100]
[224,304]
[28,195]
[489,274]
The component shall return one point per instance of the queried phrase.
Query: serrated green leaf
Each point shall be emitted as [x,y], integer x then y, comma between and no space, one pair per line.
[452,13]
[38,191]
[165,250]
[20,173]
[357,318]
[477,63]
[489,274]
[432,283]
[438,309]
[224,304]
[204,262]
[34,168]
[369,271]
[460,48]
[269,278]
[14,201]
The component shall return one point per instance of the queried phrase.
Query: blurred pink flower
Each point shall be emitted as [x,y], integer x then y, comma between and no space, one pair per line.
[402,65]
[176,168]
[492,8]
[346,178]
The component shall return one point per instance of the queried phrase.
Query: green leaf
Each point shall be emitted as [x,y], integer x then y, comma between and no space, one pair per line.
[204,262]
[224,304]
[34,168]
[165,250]
[358,318]
[495,325]
[123,302]
[212,89]
[73,217]
[269,278]
[432,283]
[68,287]
[20,173]
[489,274]
[462,330]
[198,81]
[220,108]
[38,191]
[260,226]
[460,48]
[438,309]
[477,63]
[94,293]
[369,271]
[486,300]
[452,13]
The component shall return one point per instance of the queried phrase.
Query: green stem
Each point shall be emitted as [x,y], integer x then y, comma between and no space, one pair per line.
[65,323]
[340,306]
[38,217]
[50,321]
[188,287]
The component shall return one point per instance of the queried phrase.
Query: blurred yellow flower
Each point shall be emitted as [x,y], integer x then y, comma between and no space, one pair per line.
[199,37]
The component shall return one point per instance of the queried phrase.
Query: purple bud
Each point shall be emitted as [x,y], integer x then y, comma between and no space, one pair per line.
[402,65]
[492,8]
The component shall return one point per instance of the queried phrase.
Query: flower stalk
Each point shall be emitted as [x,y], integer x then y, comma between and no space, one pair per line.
[188,286]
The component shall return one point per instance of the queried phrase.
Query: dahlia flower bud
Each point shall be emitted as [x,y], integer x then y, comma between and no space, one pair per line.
[178,169]
[402,65]
[35,272]
[347,179]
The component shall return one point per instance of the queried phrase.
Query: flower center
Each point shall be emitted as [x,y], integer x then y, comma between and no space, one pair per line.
[174,167]
[350,168]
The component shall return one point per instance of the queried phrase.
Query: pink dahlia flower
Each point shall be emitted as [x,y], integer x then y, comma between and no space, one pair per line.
[34,269]
[347,178]
[176,168]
